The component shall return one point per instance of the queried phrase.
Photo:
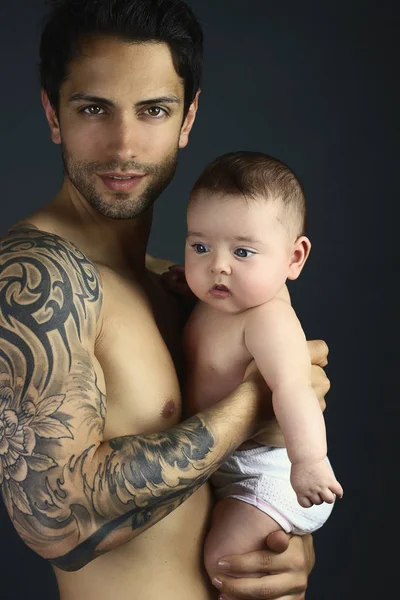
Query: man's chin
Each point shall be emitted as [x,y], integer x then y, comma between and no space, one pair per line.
[121,207]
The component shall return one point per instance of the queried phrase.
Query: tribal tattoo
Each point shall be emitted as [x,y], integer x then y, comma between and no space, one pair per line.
[63,488]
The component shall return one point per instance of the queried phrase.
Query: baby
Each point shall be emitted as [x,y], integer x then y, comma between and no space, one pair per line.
[246,222]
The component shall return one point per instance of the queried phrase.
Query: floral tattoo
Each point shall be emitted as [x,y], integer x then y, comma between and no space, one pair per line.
[59,489]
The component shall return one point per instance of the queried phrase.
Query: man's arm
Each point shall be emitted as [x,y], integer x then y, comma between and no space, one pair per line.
[70,494]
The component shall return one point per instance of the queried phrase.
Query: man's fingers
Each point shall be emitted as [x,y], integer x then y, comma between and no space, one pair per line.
[319,351]
[278,541]
[176,268]
[254,562]
[262,588]
[320,383]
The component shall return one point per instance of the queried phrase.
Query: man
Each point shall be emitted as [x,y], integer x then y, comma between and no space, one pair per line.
[96,471]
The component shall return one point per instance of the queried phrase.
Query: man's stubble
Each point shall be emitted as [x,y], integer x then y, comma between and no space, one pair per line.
[122,205]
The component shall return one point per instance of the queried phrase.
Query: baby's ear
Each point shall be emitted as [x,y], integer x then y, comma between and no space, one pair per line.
[300,252]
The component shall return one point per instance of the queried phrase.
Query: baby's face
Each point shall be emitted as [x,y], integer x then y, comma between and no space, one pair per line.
[237,253]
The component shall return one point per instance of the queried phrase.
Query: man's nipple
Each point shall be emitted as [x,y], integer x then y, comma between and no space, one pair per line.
[169,409]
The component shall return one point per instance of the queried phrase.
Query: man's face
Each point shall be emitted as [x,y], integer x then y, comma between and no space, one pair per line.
[121,124]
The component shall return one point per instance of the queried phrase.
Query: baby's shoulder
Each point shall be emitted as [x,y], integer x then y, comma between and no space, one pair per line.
[275,309]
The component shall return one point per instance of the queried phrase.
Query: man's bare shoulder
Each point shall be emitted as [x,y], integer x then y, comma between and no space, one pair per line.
[36,238]
[47,260]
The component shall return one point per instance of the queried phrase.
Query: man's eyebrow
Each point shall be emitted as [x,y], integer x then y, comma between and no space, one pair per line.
[160,100]
[81,96]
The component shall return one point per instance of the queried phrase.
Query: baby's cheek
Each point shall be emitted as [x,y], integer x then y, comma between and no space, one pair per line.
[194,279]
[259,289]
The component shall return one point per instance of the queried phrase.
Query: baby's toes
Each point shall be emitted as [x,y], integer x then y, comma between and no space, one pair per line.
[327,496]
[337,489]
[316,497]
[304,501]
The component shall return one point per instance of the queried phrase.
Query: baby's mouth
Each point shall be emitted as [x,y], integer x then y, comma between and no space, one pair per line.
[221,288]
[220,291]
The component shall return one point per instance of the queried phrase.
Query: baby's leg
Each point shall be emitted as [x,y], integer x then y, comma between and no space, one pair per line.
[237,528]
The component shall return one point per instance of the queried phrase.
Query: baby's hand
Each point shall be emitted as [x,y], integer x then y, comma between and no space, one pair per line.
[314,483]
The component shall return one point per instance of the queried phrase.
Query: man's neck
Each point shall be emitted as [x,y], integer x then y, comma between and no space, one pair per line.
[119,244]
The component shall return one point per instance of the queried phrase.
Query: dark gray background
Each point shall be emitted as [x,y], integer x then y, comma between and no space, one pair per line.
[315,84]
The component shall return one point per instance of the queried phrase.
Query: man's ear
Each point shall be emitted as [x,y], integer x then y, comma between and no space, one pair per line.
[300,252]
[52,118]
[188,122]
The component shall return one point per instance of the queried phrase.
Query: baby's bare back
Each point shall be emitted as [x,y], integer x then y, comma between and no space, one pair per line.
[216,354]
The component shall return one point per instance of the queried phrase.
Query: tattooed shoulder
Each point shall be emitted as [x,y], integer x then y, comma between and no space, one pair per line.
[50,302]
[45,281]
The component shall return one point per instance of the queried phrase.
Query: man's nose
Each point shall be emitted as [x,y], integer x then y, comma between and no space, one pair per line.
[124,138]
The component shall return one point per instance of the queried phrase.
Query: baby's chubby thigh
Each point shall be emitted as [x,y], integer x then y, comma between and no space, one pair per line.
[237,528]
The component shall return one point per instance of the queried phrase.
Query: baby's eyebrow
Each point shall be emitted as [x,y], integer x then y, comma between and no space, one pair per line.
[249,239]
[195,234]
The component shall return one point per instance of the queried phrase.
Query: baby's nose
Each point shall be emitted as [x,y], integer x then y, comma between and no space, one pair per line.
[220,265]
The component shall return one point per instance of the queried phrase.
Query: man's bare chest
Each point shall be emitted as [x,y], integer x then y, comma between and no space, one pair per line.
[138,349]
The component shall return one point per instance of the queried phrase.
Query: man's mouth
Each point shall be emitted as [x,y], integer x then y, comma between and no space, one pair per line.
[122,174]
[122,182]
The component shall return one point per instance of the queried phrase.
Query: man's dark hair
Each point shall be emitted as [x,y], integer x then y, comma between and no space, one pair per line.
[168,21]
[254,175]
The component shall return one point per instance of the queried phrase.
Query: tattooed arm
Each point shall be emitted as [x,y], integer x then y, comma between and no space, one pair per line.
[70,495]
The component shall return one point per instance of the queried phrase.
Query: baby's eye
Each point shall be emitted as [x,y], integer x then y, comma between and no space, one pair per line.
[200,248]
[243,253]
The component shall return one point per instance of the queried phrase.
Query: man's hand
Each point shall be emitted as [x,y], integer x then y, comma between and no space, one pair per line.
[287,563]
[172,277]
[174,280]
[158,265]
[319,351]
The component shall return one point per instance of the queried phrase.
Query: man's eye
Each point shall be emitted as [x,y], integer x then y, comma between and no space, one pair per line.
[243,253]
[93,110]
[199,248]
[156,112]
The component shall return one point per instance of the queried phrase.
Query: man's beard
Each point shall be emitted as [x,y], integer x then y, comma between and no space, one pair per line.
[122,205]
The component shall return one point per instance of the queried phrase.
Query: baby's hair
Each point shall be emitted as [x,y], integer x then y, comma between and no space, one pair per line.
[257,175]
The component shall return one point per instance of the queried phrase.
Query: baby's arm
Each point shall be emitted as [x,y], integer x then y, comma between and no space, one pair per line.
[275,338]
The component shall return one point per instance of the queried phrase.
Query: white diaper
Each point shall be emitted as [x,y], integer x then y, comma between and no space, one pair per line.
[261,477]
